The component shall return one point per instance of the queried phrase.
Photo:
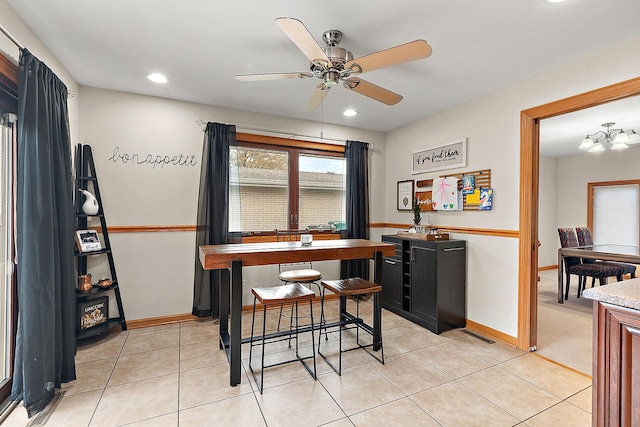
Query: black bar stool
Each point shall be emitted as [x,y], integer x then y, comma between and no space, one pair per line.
[292,293]
[354,287]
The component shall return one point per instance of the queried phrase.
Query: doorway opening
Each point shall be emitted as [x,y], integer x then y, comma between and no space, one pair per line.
[529,187]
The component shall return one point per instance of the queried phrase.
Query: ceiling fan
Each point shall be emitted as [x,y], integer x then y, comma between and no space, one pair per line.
[333,64]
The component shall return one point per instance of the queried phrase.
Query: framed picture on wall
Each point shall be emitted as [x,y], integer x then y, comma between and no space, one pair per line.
[405,195]
[450,155]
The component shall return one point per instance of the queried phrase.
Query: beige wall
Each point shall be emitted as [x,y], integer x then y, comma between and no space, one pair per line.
[492,125]
[548,212]
[155,270]
[569,209]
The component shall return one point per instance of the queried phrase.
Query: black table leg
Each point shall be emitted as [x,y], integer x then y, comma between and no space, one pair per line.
[560,276]
[223,306]
[236,323]
[377,322]
[377,267]
[377,308]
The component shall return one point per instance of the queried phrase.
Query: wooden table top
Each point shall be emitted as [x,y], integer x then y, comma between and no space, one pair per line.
[214,257]
[606,252]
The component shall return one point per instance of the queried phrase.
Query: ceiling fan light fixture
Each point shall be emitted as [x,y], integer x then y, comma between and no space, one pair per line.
[157,78]
[350,112]
[331,79]
[333,64]
[586,143]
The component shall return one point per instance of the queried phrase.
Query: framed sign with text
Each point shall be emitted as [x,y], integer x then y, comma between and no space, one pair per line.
[450,155]
[404,200]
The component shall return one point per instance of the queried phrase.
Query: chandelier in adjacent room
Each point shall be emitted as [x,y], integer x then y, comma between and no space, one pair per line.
[617,139]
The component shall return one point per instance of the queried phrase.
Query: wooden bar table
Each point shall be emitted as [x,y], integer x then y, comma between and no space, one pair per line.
[230,259]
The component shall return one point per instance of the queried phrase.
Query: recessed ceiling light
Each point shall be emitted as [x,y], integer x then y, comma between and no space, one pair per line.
[157,78]
[553,1]
[350,112]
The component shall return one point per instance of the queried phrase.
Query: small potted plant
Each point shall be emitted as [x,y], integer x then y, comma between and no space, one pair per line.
[416,212]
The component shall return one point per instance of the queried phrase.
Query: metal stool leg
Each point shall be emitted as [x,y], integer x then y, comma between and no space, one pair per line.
[253,320]
[313,348]
[264,332]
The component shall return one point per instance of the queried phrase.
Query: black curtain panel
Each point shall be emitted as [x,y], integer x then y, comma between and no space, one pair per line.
[213,213]
[357,200]
[45,341]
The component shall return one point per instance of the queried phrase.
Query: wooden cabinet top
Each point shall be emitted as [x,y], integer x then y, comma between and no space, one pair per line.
[398,238]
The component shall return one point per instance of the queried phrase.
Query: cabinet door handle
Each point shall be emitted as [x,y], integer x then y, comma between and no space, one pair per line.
[390,262]
[453,249]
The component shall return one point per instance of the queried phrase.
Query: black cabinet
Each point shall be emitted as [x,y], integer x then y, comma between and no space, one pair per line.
[392,279]
[425,282]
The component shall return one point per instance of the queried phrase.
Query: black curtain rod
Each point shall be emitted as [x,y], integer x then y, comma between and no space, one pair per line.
[288,135]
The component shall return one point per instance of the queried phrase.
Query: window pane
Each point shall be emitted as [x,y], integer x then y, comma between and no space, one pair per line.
[615,215]
[322,192]
[5,266]
[263,189]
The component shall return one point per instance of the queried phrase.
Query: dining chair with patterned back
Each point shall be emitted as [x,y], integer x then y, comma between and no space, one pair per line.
[585,238]
[574,265]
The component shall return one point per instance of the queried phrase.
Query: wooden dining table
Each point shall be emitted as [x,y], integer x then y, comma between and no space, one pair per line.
[230,258]
[603,252]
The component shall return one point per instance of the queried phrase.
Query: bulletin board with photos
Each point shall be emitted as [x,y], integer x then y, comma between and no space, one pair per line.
[475,188]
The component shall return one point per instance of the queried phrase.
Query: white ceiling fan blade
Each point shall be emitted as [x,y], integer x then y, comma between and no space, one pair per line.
[417,49]
[316,97]
[372,91]
[272,76]
[299,34]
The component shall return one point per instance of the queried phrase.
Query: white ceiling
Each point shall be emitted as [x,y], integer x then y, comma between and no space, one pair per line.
[560,136]
[200,45]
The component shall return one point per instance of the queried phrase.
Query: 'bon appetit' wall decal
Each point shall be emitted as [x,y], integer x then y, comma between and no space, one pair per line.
[153,160]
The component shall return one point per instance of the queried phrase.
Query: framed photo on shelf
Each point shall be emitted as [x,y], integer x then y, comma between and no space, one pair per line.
[405,195]
[93,312]
[88,240]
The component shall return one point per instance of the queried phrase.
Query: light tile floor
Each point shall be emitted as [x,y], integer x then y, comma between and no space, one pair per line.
[175,375]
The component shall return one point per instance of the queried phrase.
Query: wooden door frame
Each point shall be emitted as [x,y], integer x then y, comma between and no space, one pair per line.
[529,176]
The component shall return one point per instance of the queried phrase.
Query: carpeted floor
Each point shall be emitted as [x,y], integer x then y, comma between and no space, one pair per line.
[564,330]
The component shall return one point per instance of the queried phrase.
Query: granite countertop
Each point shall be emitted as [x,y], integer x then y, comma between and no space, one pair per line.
[624,294]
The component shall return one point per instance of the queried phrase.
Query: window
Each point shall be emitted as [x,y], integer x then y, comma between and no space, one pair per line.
[286,187]
[262,186]
[6,271]
[321,181]
[615,211]
[8,301]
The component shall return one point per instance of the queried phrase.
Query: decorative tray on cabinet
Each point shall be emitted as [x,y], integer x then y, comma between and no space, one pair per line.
[438,236]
